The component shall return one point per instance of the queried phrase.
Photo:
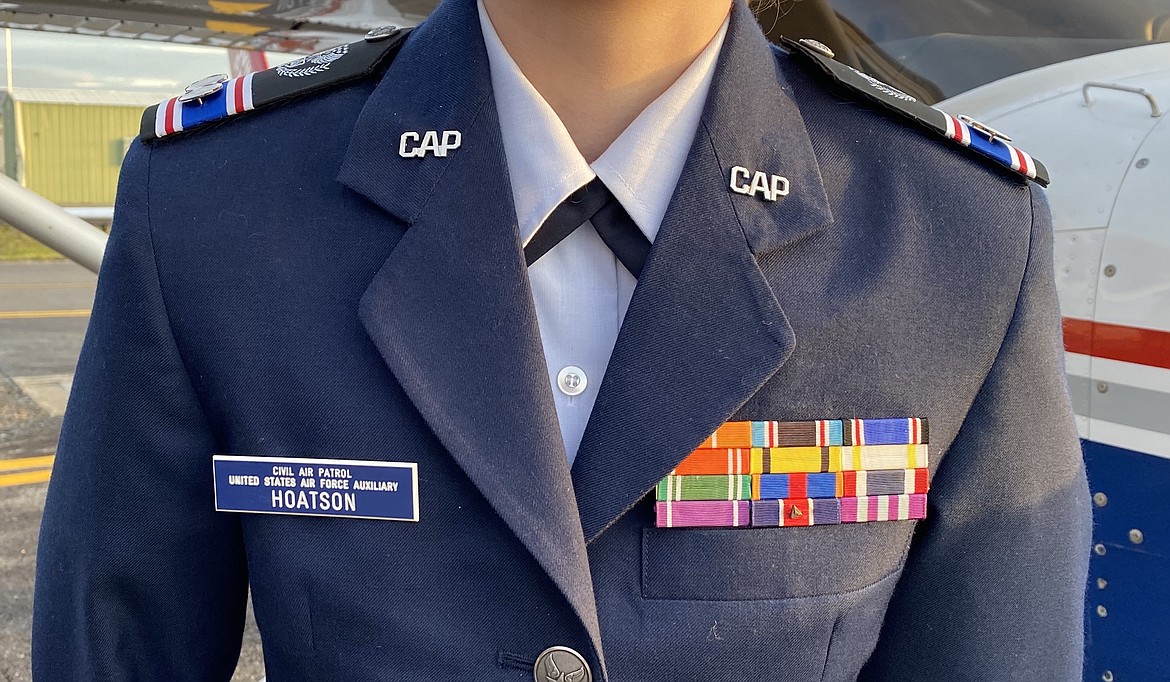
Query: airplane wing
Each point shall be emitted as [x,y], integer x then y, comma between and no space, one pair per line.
[299,26]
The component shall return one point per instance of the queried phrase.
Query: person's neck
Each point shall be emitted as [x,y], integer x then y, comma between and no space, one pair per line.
[599,63]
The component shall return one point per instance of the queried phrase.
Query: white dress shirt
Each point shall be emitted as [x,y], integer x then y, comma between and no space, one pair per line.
[580,289]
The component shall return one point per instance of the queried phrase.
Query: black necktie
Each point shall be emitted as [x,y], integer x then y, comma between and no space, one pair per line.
[595,203]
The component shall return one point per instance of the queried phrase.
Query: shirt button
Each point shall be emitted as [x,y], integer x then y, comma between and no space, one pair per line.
[572,380]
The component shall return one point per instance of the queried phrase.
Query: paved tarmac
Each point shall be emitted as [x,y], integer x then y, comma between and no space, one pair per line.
[43,313]
[44,310]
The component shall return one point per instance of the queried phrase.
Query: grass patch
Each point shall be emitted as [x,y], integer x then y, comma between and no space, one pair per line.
[15,245]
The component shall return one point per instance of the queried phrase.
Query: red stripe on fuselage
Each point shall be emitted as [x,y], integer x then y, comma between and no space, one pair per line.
[1117,342]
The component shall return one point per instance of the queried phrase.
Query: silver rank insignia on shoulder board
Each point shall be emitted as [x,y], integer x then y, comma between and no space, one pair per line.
[204,87]
[312,64]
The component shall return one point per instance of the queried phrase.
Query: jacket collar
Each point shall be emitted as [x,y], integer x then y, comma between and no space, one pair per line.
[704,330]
[752,120]
[451,310]
[438,81]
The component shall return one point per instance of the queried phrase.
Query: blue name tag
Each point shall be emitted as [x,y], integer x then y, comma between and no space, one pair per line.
[357,489]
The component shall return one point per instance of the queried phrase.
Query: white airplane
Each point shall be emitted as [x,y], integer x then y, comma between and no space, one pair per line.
[1082,85]
[1099,123]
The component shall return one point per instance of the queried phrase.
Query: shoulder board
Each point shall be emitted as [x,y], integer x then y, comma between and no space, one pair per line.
[984,141]
[218,97]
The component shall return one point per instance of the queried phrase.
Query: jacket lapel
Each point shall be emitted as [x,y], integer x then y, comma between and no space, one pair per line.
[704,330]
[450,310]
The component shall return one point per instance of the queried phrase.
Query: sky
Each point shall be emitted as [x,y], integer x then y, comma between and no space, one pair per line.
[55,60]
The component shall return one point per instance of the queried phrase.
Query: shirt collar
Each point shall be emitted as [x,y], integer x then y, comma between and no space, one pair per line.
[641,167]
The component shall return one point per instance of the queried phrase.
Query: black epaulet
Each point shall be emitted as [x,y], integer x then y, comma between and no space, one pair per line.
[987,142]
[218,97]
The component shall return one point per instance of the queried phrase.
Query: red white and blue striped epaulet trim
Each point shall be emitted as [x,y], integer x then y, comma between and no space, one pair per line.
[236,98]
[992,144]
[986,142]
[217,98]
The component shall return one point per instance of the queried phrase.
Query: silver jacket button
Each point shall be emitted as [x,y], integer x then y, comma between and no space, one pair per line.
[381,33]
[561,664]
[818,46]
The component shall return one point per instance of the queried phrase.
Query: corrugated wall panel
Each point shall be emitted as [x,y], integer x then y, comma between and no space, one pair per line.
[72,152]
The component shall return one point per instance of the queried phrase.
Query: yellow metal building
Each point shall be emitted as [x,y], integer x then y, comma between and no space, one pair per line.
[68,145]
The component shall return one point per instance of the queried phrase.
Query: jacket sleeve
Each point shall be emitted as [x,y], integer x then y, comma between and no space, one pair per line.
[994,584]
[138,578]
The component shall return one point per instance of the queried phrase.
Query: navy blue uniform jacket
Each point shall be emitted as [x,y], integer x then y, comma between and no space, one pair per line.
[287,284]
